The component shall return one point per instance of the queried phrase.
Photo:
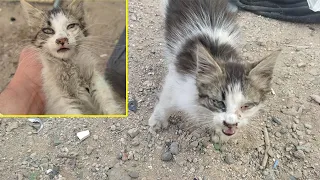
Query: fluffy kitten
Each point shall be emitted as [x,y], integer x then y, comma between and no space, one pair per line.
[207,80]
[71,83]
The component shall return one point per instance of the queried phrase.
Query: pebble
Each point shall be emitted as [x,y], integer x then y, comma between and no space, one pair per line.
[89,150]
[12,125]
[229,159]
[194,143]
[192,170]
[133,132]
[308,126]
[135,142]
[95,137]
[296,121]
[278,134]
[301,65]
[306,148]
[133,174]
[299,154]
[276,120]
[174,148]
[113,128]
[167,156]
[294,127]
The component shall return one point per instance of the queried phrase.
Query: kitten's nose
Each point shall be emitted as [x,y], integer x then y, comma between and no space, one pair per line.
[230,125]
[62,41]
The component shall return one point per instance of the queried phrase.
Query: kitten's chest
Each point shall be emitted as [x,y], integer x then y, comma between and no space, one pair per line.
[69,79]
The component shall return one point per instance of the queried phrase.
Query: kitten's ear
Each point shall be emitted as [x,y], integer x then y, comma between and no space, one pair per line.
[33,15]
[76,8]
[207,67]
[261,72]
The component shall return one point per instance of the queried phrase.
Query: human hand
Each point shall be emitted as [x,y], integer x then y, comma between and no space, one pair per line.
[24,94]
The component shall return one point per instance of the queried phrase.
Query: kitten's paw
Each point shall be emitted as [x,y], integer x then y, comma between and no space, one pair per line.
[156,124]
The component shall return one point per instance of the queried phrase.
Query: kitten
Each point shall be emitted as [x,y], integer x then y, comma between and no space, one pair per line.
[207,80]
[71,82]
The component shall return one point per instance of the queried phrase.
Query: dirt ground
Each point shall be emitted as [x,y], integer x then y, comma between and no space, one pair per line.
[122,149]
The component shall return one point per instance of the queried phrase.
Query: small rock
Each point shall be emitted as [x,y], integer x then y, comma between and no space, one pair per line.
[133,132]
[294,127]
[133,105]
[133,174]
[194,143]
[12,125]
[299,154]
[89,150]
[95,137]
[308,126]
[19,176]
[135,142]
[276,120]
[306,147]
[229,159]
[192,170]
[316,98]
[167,156]
[278,134]
[296,121]
[174,148]
[12,19]
[298,174]
[113,128]
[118,173]
[301,65]
[289,148]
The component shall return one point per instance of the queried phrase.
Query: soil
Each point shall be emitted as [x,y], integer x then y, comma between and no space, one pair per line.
[120,149]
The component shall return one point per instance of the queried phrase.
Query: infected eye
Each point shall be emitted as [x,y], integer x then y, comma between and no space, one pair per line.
[218,104]
[48,31]
[248,106]
[70,26]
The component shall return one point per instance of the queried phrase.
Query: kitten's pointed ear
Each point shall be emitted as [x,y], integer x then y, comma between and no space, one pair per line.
[262,71]
[76,8]
[207,67]
[33,15]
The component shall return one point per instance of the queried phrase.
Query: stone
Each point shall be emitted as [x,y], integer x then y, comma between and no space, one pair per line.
[174,148]
[133,174]
[113,128]
[12,125]
[276,120]
[229,159]
[133,132]
[308,126]
[118,173]
[278,134]
[89,150]
[167,156]
[194,143]
[299,154]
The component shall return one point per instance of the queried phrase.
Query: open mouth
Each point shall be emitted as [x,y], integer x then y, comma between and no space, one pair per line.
[229,131]
[63,50]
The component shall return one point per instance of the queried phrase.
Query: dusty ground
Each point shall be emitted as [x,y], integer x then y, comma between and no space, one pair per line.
[123,149]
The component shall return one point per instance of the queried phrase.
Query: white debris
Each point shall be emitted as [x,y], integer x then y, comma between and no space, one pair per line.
[37,120]
[83,135]
[49,171]
[103,55]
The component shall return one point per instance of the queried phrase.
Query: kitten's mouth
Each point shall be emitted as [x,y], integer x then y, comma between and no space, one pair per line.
[63,50]
[229,131]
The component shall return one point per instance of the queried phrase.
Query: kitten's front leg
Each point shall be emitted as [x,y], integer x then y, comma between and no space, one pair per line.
[163,110]
[104,96]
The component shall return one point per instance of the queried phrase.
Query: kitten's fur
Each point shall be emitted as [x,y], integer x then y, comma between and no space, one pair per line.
[71,83]
[207,80]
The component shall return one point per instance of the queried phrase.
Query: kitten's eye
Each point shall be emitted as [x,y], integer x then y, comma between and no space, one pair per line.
[248,106]
[70,26]
[218,104]
[48,31]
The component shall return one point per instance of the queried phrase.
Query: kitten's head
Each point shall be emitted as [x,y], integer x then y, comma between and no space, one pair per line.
[58,30]
[231,90]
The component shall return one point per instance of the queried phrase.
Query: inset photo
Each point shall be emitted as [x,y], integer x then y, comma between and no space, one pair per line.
[64,58]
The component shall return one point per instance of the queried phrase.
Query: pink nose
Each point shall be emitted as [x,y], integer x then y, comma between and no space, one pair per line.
[229,125]
[62,41]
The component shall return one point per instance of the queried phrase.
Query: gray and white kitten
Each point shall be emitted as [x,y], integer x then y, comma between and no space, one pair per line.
[207,80]
[71,83]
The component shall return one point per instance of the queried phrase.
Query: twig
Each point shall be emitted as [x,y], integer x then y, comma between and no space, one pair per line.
[267,143]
